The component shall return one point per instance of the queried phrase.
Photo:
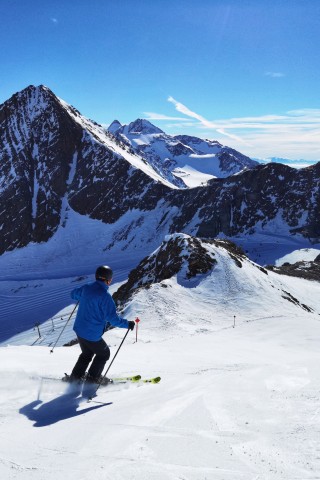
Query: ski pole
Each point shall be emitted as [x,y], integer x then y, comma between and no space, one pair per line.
[51,351]
[104,376]
[37,325]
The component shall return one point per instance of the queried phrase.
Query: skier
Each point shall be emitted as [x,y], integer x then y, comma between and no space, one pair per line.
[96,310]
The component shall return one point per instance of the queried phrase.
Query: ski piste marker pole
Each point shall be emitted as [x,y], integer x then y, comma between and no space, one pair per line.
[51,351]
[104,376]
[137,320]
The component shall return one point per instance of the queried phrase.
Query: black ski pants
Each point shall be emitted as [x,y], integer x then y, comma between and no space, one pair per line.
[101,353]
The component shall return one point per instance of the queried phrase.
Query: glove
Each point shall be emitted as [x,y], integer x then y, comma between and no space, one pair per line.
[131,324]
[108,327]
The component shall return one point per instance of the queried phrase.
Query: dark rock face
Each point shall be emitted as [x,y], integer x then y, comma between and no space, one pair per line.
[271,198]
[105,186]
[35,158]
[308,270]
[51,159]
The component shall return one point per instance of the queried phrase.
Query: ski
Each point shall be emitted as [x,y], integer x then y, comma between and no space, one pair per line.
[151,380]
[135,378]
[106,381]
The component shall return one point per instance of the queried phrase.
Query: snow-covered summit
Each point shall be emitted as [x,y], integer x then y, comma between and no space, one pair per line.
[186,160]
[141,126]
[114,126]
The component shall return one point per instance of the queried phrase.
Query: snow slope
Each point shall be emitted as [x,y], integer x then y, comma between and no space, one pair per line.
[233,403]
[35,281]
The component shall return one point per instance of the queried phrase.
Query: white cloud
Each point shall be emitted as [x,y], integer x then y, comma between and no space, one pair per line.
[206,123]
[294,134]
[186,111]
[54,20]
[275,74]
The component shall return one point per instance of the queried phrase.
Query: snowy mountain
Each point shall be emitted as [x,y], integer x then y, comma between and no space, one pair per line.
[54,161]
[187,161]
[180,255]
[52,157]
[214,274]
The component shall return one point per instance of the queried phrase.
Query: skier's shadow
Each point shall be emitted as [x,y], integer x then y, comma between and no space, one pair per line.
[60,408]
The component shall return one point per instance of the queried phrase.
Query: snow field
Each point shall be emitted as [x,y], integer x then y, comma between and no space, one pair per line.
[234,403]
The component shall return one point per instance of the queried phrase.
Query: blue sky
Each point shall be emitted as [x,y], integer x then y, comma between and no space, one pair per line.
[244,72]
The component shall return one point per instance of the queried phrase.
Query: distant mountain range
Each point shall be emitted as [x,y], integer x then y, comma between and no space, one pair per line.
[133,178]
[301,163]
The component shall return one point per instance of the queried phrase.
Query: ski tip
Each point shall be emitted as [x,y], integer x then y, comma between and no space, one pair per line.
[153,380]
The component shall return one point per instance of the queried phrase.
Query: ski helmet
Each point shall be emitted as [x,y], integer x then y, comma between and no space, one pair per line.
[104,273]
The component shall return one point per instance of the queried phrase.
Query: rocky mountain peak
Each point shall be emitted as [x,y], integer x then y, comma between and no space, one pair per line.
[143,126]
[114,126]
[34,100]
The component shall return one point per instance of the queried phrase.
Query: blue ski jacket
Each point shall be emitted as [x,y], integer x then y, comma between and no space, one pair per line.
[96,309]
